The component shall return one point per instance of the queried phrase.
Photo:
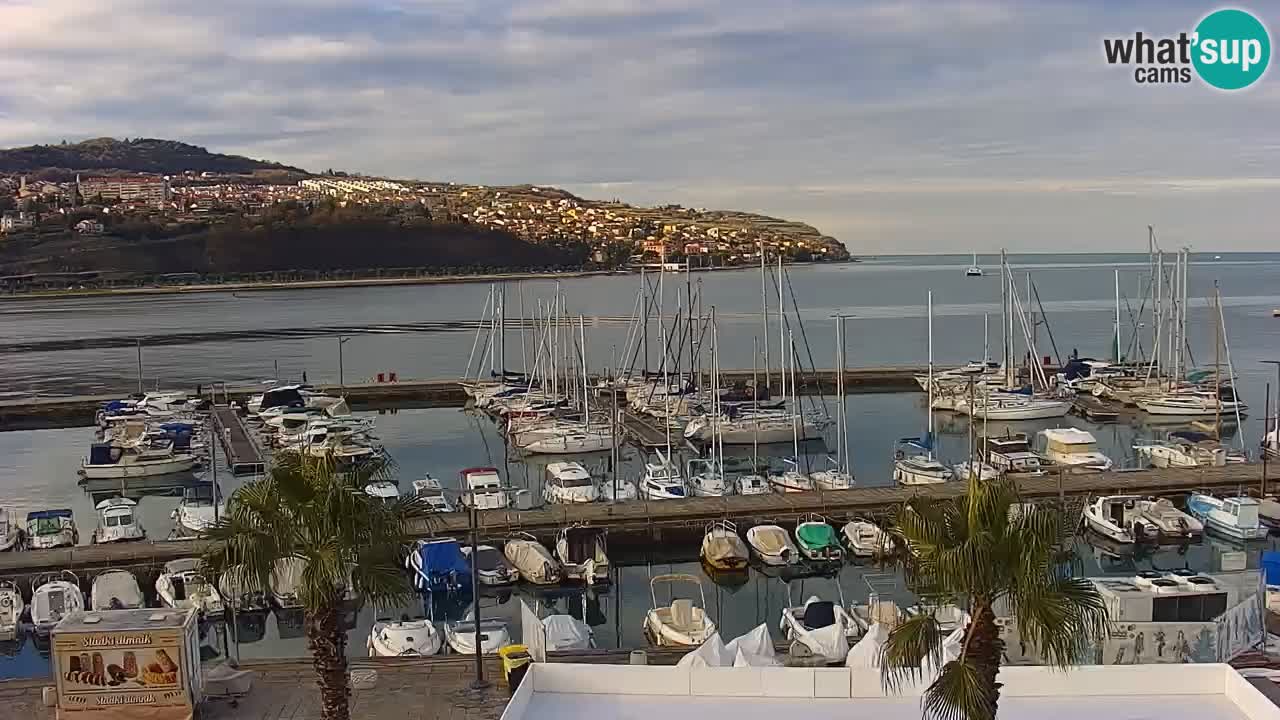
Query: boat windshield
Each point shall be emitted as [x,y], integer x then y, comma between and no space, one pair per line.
[118,520]
[574,480]
[48,526]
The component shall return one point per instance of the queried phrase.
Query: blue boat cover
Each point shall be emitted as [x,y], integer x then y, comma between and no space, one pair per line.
[117,405]
[48,514]
[177,427]
[443,567]
[1271,566]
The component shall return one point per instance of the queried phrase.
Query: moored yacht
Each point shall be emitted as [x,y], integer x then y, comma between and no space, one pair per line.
[197,512]
[117,521]
[181,586]
[1233,517]
[10,531]
[53,597]
[428,490]
[482,489]
[108,461]
[1188,449]
[914,464]
[662,480]
[51,529]
[1071,447]
[568,483]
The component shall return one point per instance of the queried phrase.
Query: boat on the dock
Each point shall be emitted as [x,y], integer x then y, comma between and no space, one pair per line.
[429,491]
[197,512]
[48,529]
[752,484]
[722,548]
[53,597]
[406,637]
[679,623]
[747,426]
[914,464]
[772,545]
[1008,407]
[662,480]
[438,566]
[108,461]
[482,489]
[817,540]
[10,531]
[1187,448]
[1194,402]
[491,566]
[616,489]
[1120,518]
[461,635]
[532,560]
[1170,522]
[1011,454]
[564,438]
[819,629]
[864,538]
[12,607]
[832,479]
[383,490]
[115,590]
[583,554]
[706,478]
[1232,517]
[1072,448]
[181,586]
[790,480]
[974,270]
[568,483]
[976,470]
[117,522]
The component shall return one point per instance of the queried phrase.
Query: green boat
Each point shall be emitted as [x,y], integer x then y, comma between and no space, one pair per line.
[817,540]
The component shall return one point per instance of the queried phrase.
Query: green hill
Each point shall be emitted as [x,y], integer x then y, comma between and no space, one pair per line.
[139,155]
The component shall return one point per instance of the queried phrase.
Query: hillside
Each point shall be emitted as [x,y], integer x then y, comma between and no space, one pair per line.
[140,155]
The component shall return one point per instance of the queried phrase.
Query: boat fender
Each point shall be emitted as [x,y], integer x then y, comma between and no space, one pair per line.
[5,602]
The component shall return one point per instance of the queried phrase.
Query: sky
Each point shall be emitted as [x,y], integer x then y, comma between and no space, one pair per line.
[897,127]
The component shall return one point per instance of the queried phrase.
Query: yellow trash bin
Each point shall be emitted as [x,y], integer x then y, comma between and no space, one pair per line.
[515,663]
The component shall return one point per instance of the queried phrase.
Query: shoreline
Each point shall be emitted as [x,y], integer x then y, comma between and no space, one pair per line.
[352,282]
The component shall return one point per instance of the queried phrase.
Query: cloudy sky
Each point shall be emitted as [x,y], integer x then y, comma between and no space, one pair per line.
[916,126]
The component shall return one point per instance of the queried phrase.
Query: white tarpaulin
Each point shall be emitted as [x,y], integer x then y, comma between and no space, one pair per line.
[565,632]
[754,649]
[866,652]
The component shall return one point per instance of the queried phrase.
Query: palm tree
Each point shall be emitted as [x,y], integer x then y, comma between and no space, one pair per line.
[986,551]
[306,509]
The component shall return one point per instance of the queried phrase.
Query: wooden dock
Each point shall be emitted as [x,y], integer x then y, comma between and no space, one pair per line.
[243,454]
[633,526]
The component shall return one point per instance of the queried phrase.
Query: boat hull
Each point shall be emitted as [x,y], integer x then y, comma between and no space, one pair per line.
[141,469]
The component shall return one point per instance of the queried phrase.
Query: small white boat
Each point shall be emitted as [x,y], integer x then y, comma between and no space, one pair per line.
[1194,403]
[920,470]
[679,623]
[383,490]
[238,597]
[286,577]
[53,597]
[1011,454]
[51,529]
[863,537]
[107,461]
[406,637]
[482,489]
[1168,520]
[1233,517]
[566,632]
[181,586]
[461,635]
[772,545]
[10,531]
[975,270]
[197,513]
[1071,447]
[115,590]
[722,547]
[583,554]
[1000,407]
[532,560]
[568,483]
[975,469]
[752,485]
[790,481]
[617,489]
[760,427]
[12,606]
[491,565]
[817,540]
[832,480]
[820,629]
[706,479]
[117,521]
[662,481]
[564,438]
[1119,518]
[1186,449]
[429,490]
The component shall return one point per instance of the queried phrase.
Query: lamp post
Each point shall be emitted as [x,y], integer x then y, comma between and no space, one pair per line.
[341,382]
[1266,419]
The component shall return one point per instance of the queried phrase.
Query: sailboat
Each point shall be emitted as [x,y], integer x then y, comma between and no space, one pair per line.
[975,270]
[839,477]
[706,475]
[791,479]
[913,461]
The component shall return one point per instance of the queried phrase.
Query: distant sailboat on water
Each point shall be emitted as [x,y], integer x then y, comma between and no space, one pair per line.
[974,270]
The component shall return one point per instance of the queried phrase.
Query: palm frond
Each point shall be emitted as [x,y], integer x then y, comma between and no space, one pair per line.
[960,692]
[909,645]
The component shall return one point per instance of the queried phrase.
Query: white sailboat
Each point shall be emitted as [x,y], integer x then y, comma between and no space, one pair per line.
[839,477]
[913,461]
[974,270]
[662,480]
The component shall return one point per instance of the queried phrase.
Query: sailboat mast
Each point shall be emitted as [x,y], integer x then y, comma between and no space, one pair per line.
[795,406]
[928,408]
[1117,333]
[782,331]
[841,418]
[764,313]
[986,340]
[586,390]
[662,343]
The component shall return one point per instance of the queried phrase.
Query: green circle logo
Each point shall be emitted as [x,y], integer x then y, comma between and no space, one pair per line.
[1232,49]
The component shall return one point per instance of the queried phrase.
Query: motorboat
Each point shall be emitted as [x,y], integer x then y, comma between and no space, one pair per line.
[914,464]
[279,396]
[949,617]
[1011,454]
[976,470]
[753,484]
[197,512]
[568,483]
[115,590]
[117,521]
[429,491]
[817,540]
[286,581]
[1006,407]
[1169,521]
[831,480]
[51,529]
[662,480]
[1120,518]
[680,622]
[107,461]
[532,560]
[819,629]
[461,635]
[1072,448]
[406,637]
[12,607]
[566,632]
[438,566]
[482,489]
[10,531]
[1232,517]
[240,595]
[583,554]
[722,547]
[1185,449]
[1194,403]
[383,490]
[974,270]
[54,597]
[181,586]
[772,545]
[617,489]
[491,565]
[863,538]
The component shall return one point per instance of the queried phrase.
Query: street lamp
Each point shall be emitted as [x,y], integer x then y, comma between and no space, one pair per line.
[341,384]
